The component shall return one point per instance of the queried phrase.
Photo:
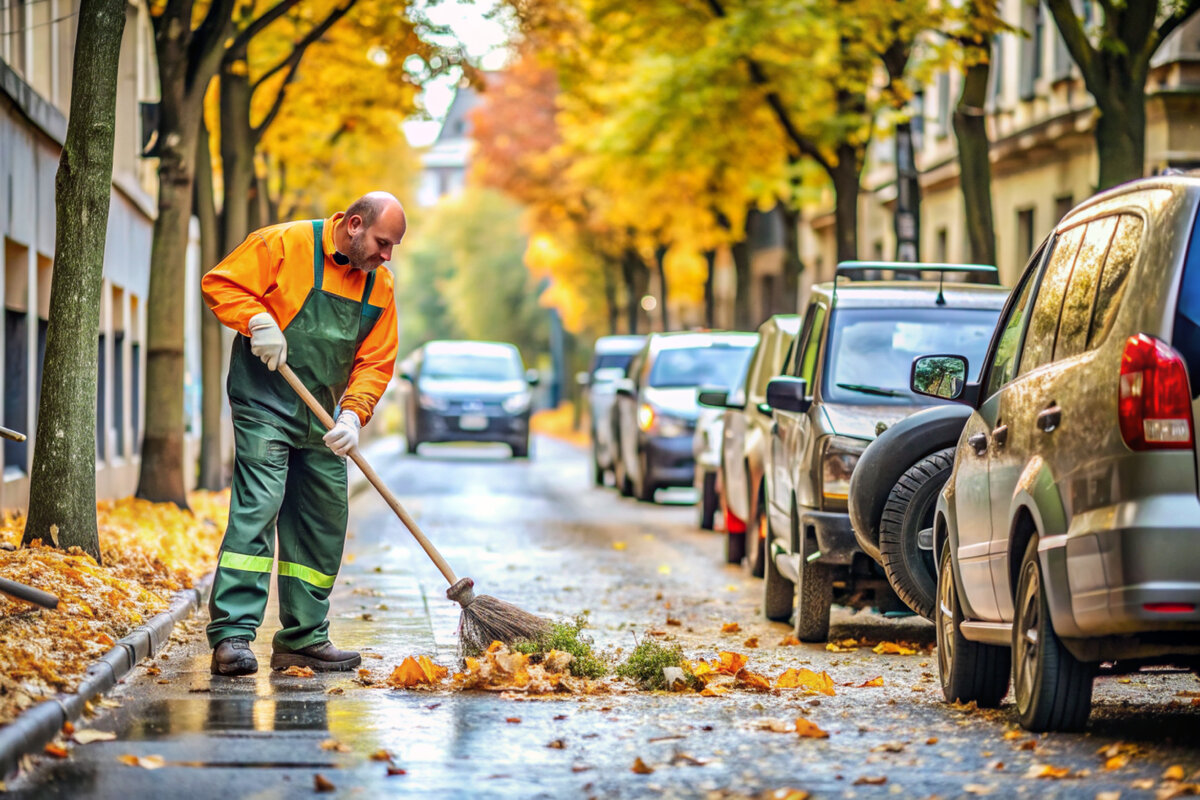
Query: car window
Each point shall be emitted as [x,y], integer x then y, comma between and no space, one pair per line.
[1004,360]
[871,350]
[1186,334]
[1047,307]
[1081,289]
[807,361]
[1121,255]
[611,360]
[474,366]
[713,365]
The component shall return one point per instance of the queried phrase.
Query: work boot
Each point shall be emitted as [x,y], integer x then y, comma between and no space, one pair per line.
[322,657]
[233,657]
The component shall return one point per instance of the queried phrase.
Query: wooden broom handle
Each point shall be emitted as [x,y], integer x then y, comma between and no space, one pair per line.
[371,475]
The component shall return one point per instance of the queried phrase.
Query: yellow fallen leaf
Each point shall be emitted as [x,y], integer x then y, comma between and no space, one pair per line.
[870,780]
[891,648]
[416,672]
[876,681]
[803,678]
[789,641]
[619,545]
[664,569]
[787,793]
[714,691]
[1010,735]
[751,643]
[732,588]
[809,729]
[731,663]
[1173,773]
[299,672]
[1116,762]
[844,646]
[640,767]
[1048,771]
[777,726]
[145,762]
[335,746]
[381,755]
[55,750]
[730,627]
[89,735]
[323,784]
[753,681]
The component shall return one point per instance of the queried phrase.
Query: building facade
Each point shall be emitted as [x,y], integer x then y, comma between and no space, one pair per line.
[37,39]
[1040,120]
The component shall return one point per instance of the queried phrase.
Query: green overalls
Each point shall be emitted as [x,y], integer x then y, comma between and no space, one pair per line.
[285,478]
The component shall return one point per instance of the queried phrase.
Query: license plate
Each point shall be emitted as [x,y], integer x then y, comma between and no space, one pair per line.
[472,422]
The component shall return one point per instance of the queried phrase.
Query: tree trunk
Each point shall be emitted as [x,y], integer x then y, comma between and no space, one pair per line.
[610,296]
[631,266]
[975,169]
[710,260]
[212,473]
[789,300]
[743,318]
[660,255]
[845,175]
[1121,133]
[906,221]
[237,152]
[62,488]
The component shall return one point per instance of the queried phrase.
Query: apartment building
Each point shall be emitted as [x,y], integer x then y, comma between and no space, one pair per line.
[1040,120]
[37,39]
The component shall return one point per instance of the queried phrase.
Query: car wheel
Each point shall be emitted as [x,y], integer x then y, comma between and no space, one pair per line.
[645,487]
[909,510]
[520,449]
[756,537]
[597,470]
[969,671]
[1053,688]
[411,443]
[708,501]
[779,594]
[621,476]
[814,593]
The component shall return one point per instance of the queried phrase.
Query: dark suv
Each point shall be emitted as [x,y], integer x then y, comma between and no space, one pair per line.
[1067,532]
[846,382]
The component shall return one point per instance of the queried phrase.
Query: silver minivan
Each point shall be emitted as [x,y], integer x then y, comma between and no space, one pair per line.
[1068,531]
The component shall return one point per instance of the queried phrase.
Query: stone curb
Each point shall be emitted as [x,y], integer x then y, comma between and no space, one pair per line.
[37,726]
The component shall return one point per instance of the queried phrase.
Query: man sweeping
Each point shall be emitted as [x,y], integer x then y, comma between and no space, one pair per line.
[310,294]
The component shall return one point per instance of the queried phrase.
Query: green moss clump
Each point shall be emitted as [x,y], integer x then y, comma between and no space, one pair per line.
[645,665]
[568,637]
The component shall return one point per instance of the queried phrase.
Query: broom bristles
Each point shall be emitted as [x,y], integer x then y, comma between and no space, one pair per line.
[486,619]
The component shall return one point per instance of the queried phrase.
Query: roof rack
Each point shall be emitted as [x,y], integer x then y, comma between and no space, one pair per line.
[848,267]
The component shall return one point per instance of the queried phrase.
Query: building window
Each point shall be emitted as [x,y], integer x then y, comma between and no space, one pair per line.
[101,385]
[135,394]
[1024,234]
[1062,206]
[15,33]
[1033,22]
[118,401]
[16,385]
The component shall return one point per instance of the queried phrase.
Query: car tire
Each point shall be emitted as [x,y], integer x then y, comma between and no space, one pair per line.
[621,476]
[969,671]
[735,548]
[411,443]
[756,537]
[644,488]
[708,501]
[779,594]
[814,590]
[1053,688]
[910,507]
[597,470]
[520,449]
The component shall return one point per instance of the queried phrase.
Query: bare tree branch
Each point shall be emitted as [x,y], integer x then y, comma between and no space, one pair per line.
[243,37]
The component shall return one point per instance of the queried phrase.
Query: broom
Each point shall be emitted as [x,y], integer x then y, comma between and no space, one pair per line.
[484,618]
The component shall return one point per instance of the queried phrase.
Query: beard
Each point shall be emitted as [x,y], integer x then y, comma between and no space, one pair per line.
[357,253]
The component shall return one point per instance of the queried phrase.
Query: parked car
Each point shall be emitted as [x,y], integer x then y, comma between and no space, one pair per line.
[846,382]
[744,452]
[654,414]
[610,356]
[1067,531]
[468,391]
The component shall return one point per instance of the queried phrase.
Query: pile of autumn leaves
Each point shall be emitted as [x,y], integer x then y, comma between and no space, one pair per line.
[149,551]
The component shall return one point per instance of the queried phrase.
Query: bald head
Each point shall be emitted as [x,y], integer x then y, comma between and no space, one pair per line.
[374,223]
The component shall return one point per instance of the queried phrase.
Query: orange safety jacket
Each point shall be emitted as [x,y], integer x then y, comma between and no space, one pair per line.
[272,271]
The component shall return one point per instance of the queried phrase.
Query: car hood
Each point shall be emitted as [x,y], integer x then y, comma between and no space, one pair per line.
[678,402]
[471,387]
[861,422]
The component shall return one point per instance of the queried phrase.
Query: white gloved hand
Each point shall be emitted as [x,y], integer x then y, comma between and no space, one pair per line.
[343,436]
[267,342]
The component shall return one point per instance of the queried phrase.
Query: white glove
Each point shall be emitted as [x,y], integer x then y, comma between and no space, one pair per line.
[343,436]
[267,342]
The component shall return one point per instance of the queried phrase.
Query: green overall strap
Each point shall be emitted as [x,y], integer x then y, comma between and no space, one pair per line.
[318,253]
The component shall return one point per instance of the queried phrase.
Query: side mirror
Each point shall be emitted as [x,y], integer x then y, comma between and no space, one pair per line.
[623,387]
[940,376]
[583,378]
[531,377]
[788,394]
[713,398]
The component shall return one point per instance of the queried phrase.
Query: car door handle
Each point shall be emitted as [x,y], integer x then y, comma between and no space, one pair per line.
[978,441]
[1049,419]
[1000,435]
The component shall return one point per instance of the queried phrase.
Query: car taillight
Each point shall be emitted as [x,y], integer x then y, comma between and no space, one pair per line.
[1155,402]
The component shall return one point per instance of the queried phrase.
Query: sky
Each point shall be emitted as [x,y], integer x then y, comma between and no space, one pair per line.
[484,40]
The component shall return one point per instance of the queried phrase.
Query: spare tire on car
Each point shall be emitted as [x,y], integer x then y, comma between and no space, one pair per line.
[906,556]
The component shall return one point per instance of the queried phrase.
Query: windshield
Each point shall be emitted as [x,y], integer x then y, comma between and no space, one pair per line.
[872,349]
[715,365]
[611,360]
[472,366]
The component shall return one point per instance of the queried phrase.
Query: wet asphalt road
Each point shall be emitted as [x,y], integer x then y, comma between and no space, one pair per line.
[535,533]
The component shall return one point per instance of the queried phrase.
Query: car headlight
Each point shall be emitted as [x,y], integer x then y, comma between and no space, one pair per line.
[517,403]
[432,402]
[837,465]
[658,424]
